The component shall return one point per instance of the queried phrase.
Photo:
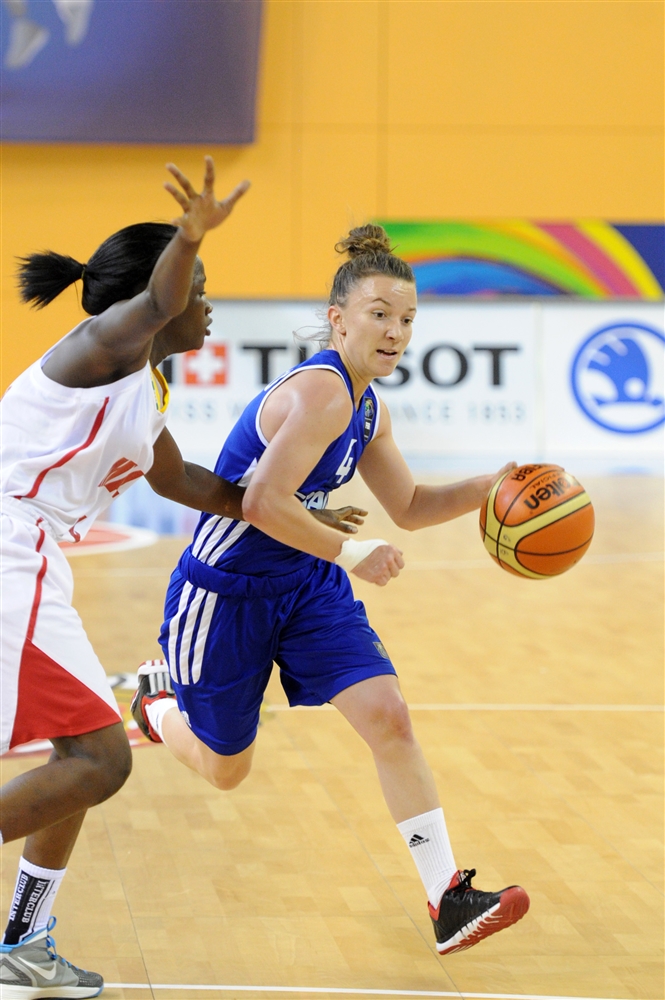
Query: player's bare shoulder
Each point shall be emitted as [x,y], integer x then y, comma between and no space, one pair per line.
[315,396]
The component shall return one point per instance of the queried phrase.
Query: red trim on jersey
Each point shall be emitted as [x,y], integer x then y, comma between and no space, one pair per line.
[38,587]
[70,454]
[52,702]
[73,532]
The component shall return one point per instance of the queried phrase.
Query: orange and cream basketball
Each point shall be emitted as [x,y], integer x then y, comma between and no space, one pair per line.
[537,521]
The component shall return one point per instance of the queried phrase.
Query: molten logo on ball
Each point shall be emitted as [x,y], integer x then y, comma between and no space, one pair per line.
[537,521]
[555,489]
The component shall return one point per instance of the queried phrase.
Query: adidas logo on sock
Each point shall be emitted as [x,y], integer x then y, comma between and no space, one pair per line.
[417,840]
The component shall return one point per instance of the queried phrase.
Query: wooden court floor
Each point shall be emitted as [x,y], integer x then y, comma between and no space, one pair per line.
[534,702]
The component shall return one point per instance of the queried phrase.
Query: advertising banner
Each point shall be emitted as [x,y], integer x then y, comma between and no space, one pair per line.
[158,71]
[604,395]
[581,258]
[579,384]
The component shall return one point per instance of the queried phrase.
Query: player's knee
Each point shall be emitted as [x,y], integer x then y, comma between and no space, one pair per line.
[229,775]
[390,720]
[108,757]
[398,721]
[112,766]
[122,767]
[226,782]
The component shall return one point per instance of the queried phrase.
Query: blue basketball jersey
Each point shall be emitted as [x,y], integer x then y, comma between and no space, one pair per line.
[238,547]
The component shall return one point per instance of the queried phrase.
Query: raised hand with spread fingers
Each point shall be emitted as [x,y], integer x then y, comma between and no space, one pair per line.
[201,211]
[154,316]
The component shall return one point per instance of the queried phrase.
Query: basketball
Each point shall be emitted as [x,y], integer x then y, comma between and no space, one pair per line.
[537,521]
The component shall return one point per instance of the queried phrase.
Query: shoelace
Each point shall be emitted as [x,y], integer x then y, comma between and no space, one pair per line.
[50,947]
[50,943]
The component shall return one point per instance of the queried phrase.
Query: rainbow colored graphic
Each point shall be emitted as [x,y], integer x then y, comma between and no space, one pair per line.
[588,258]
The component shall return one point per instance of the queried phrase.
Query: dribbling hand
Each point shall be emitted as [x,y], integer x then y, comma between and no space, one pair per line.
[380,566]
[506,468]
[201,212]
[490,480]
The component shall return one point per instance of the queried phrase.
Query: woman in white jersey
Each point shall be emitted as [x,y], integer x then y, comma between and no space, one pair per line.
[265,601]
[78,427]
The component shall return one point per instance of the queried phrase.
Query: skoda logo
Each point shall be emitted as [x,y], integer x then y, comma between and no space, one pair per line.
[617,377]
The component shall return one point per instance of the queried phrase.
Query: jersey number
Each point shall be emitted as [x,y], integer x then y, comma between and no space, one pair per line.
[347,464]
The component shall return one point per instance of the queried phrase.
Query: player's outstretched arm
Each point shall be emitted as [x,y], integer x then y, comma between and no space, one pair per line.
[126,324]
[118,340]
[196,487]
[414,506]
[192,485]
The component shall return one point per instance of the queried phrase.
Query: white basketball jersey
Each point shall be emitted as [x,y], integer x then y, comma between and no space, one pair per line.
[66,453]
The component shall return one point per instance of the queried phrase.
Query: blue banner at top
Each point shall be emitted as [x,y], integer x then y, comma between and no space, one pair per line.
[154,71]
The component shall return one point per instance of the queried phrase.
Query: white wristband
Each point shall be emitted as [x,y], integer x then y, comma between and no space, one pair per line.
[354,552]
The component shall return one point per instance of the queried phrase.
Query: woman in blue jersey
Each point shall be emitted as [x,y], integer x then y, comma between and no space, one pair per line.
[274,588]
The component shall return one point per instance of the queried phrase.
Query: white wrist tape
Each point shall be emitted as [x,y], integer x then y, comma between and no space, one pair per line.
[354,552]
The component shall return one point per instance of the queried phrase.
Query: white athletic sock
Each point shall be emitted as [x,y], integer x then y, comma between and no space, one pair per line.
[34,895]
[156,712]
[426,837]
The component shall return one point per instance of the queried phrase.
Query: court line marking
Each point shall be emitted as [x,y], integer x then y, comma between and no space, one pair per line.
[610,558]
[536,708]
[460,995]
[482,707]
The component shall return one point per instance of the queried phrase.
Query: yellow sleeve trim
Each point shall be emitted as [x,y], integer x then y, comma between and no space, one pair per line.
[161,389]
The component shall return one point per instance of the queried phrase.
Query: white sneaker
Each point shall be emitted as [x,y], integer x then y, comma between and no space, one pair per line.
[32,970]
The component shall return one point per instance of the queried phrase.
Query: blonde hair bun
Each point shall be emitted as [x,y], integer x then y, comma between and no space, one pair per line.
[365,240]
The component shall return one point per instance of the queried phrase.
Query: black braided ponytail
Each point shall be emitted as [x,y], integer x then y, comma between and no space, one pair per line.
[42,276]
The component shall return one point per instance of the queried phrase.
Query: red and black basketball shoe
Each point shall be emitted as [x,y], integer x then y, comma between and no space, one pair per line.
[154,683]
[465,915]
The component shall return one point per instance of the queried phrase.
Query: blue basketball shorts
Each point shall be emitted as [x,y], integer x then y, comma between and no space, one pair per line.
[221,644]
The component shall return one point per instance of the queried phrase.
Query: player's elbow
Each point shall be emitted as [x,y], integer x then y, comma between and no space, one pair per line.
[174,484]
[257,505]
[405,520]
[163,308]
[161,486]
[154,485]
[404,510]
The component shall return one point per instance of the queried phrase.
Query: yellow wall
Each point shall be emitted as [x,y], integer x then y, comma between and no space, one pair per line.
[391,108]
